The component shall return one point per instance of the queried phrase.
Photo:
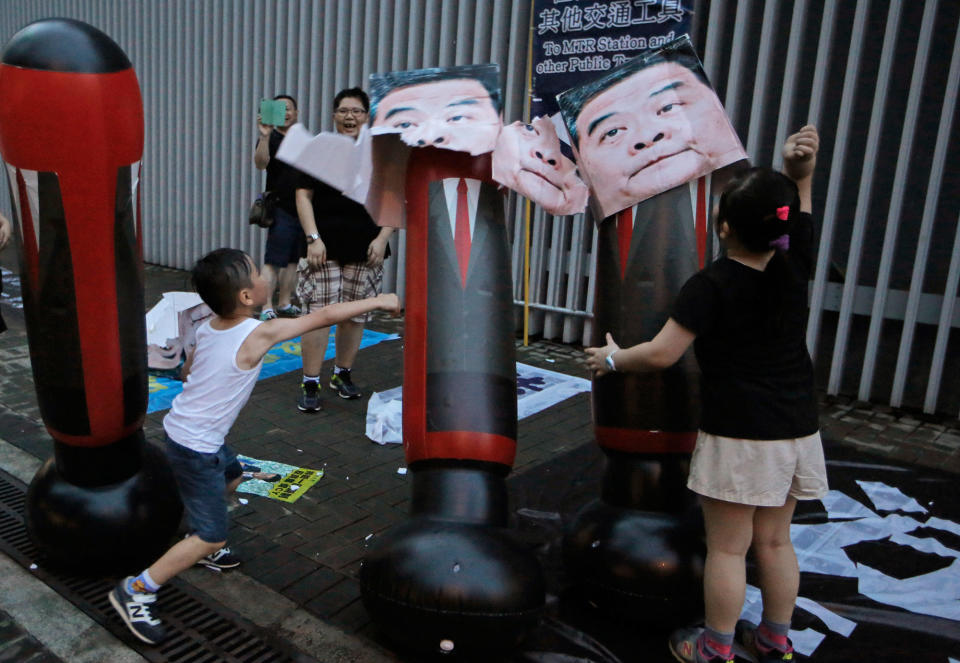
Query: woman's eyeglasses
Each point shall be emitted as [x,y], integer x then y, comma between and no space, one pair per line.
[343,112]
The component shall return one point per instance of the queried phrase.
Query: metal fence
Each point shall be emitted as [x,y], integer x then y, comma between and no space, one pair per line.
[879,78]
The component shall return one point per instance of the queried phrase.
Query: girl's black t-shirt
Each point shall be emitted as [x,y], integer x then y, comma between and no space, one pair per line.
[756,374]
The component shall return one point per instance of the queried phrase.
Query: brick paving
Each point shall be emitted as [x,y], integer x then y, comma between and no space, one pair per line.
[310,550]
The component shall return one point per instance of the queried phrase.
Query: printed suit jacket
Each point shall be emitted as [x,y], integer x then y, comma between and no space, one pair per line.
[471,371]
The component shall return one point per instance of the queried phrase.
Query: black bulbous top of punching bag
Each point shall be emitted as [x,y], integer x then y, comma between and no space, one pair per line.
[64,44]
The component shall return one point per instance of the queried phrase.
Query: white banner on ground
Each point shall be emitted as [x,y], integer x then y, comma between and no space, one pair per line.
[537,389]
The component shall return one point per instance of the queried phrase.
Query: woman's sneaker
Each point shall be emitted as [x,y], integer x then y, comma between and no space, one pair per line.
[134,609]
[222,559]
[290,311]
[309,400]
[343,385]
[746,634]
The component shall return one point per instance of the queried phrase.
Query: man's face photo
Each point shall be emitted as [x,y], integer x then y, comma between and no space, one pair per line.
[528,160]
[647,133]
[452,113]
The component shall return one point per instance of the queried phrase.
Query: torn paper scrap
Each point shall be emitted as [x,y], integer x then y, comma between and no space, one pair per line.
[888,498]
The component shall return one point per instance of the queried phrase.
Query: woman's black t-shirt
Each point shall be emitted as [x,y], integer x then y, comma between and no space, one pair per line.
[343,224]
[756,374]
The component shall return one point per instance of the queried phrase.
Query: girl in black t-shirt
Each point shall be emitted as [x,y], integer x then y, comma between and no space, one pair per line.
[759,449]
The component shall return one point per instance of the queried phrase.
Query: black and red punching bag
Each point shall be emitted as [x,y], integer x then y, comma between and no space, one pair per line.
[638,550]
[452,577]
[71,137]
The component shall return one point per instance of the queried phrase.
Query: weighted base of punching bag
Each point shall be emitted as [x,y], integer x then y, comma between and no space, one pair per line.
[119,528]
[468,586]
[644,565]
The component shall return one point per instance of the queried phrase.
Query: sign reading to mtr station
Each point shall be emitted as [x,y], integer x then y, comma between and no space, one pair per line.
[574,41]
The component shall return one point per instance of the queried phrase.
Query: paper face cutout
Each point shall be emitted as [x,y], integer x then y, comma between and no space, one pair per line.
[454,108]
[648,126]
[528,159]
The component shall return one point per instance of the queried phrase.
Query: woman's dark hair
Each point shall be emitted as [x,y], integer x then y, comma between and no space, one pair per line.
[353,93]
[219,276]
[752,206]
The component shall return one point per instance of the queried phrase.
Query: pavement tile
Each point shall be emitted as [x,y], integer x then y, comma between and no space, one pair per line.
[288,574]
[312,585]
[335,598]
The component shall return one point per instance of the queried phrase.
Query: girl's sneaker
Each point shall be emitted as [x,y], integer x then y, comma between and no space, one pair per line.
[747,636]
[684,645]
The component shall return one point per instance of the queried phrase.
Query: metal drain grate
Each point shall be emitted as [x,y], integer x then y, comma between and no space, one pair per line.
[201,631]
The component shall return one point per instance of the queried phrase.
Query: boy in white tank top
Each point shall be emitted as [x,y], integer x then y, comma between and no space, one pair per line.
[219,378]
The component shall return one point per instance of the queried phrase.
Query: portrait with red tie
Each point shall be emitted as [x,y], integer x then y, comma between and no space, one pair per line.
[647,126]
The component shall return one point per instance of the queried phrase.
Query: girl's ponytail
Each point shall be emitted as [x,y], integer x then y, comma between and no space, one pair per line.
[759,205]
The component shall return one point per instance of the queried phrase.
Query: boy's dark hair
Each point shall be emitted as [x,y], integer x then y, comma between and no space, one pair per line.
[487,75]
[750,203]
[286,96]
[355,93]
[219,276]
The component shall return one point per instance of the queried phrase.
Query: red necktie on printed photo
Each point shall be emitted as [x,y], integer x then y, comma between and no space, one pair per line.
[624,233]
[700,225]
[461,235]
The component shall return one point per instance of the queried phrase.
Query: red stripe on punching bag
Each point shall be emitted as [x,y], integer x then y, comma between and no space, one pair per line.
[29,234]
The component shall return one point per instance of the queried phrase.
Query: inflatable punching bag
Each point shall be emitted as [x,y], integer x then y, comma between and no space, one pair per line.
[71,137]
[452,577]
[638,550]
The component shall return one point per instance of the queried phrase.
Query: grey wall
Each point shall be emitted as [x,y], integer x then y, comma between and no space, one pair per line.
[878,77]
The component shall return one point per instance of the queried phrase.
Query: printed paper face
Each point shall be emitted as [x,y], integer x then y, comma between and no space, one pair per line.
[454,108]
[529,160]
[648,126]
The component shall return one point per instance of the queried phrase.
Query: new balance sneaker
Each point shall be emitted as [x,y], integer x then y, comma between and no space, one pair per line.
[746,635]
[134,609]
[343,385]
[222,559]
[309,400]
[289,311]
[269,314]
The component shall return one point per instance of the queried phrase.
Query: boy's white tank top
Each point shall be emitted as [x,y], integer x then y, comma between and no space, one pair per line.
[215,391]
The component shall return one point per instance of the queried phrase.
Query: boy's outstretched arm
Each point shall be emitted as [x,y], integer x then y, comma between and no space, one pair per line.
[799,160]
[268,334]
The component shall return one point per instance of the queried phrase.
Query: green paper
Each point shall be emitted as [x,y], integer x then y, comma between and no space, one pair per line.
[273,113]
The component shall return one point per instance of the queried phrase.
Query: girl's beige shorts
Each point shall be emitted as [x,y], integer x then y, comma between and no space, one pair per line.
[758,472]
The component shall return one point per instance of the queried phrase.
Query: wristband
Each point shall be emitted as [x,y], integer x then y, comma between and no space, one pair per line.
[609,361]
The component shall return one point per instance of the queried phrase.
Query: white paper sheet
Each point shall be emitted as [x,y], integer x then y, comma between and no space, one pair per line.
[888,498]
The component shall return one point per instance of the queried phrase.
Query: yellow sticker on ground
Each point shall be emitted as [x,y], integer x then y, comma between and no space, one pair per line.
[294,484]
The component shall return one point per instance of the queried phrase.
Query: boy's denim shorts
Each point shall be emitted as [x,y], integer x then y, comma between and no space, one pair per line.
[202,480]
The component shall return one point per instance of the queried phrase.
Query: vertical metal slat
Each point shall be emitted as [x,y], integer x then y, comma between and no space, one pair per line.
[926,226]
[834,189]
[895,211]
[870,160]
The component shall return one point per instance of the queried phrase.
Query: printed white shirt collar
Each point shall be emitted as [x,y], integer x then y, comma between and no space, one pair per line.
[473,196]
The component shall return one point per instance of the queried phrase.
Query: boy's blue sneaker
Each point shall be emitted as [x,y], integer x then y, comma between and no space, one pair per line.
[343,385]
[134,609]
[290,311]
[309,400]
[222,559]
